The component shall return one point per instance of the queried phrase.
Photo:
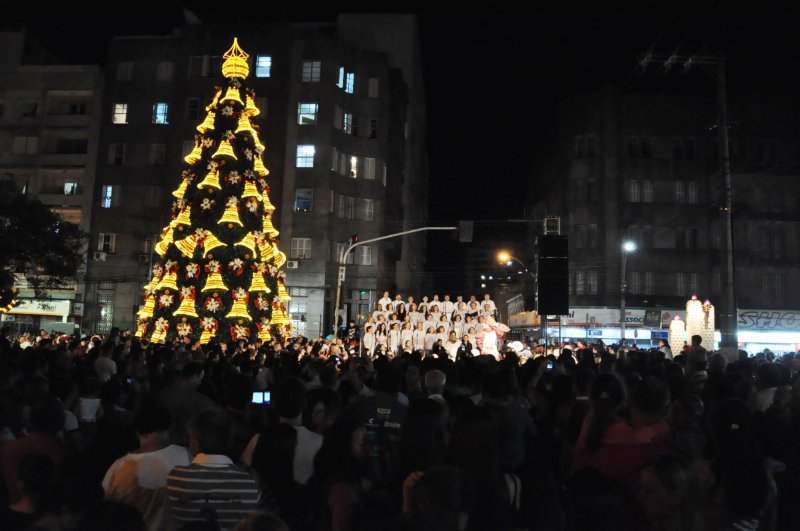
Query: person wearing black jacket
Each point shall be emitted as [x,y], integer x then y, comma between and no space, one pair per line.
[465,349]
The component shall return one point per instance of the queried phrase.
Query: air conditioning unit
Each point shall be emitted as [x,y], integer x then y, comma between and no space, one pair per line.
[292,264]
[143,258]
[99,256]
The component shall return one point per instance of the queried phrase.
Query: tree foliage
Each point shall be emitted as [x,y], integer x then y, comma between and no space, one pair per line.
[36,242]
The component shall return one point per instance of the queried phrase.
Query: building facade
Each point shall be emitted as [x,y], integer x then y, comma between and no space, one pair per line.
[344,145]
[644,167]
[49,118]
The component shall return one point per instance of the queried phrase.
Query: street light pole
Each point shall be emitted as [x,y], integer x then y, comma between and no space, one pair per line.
[627,247]
[343,262]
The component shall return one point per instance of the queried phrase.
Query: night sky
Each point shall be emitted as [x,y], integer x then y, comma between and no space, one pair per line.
[492,82]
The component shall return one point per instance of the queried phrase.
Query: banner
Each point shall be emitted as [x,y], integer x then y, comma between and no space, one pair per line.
[596,316]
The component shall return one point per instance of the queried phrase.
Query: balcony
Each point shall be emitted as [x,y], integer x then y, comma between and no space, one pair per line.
[67,120]
[63,159]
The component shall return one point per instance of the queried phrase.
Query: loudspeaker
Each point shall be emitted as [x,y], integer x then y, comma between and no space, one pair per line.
[552,267]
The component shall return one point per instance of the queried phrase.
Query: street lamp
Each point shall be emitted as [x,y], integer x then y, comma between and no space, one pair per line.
[627,247]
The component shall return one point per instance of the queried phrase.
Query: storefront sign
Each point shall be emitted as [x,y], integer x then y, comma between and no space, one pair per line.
[773,320]
[609,317]
[54,308]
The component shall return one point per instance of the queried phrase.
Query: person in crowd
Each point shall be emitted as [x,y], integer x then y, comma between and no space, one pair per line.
[338,470]
[418,337]
[385,301]
[35,476]
[46,421]
[183,401]
[212,489]
[289,398]
[104,366]
[669,494]
[368,341]
[394,339]
[452,345]
[448,307]
[140,478]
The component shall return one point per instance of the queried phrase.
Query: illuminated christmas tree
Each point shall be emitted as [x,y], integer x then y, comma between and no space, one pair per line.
[219,269]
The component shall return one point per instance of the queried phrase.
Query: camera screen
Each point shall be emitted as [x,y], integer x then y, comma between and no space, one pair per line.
[261,397]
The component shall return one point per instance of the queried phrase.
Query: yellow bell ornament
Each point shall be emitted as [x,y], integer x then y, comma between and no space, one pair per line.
[251,108]
[184,218]
[178,193]
[231,215]
[186,307]
[208,124]
[239,309]
[258,284]
[163,245]
[258,166]
[195,155]
[147,310]
[168,280]
[250,190]
[224,150]
[206,336]
[159,335]
[187,246]
[232,96]
[211,242]
[280,259]
[215,281]
[244,125]
[249,241]
[211,180]
[268,228]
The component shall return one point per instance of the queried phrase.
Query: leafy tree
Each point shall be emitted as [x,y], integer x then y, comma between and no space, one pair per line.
[36,242]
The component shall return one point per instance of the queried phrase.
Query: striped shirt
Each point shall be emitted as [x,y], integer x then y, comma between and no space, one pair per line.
[211,482]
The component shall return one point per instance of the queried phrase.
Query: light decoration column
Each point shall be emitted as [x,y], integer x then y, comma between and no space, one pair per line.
[677,335]
[700,321]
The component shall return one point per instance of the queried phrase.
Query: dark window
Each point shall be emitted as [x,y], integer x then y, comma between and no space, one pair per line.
[579,146]
[373,128]
[645,148]
[192,109]
[689,149]
[633,148]
[72,146]
[590,146]
[354,127]
[677,150]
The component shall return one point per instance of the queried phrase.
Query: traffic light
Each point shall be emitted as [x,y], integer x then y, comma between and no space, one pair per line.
[465,231]
[552,275]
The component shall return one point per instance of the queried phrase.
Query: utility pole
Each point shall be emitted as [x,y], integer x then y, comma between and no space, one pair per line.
[343,261]
[728,309]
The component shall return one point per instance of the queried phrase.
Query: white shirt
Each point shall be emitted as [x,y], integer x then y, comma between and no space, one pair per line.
[447,308]
[136,479]
[491,304]
[385,302]
[308,444]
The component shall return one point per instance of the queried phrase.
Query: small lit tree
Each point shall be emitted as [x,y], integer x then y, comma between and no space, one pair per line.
[219,273]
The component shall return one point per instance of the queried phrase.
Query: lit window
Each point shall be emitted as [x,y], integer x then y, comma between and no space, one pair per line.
[304,200]
[110,196]
[350,83]
[305,156]
[311,71]
[347,123]
[70,188]
[263,65]
[647,191]
[354,167]
[160,113]
[301,248]
[307,113]
[340,80]
[120,114]
[105,306]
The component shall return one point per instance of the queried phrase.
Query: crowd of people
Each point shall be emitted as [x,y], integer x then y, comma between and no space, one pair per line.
[110,432]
